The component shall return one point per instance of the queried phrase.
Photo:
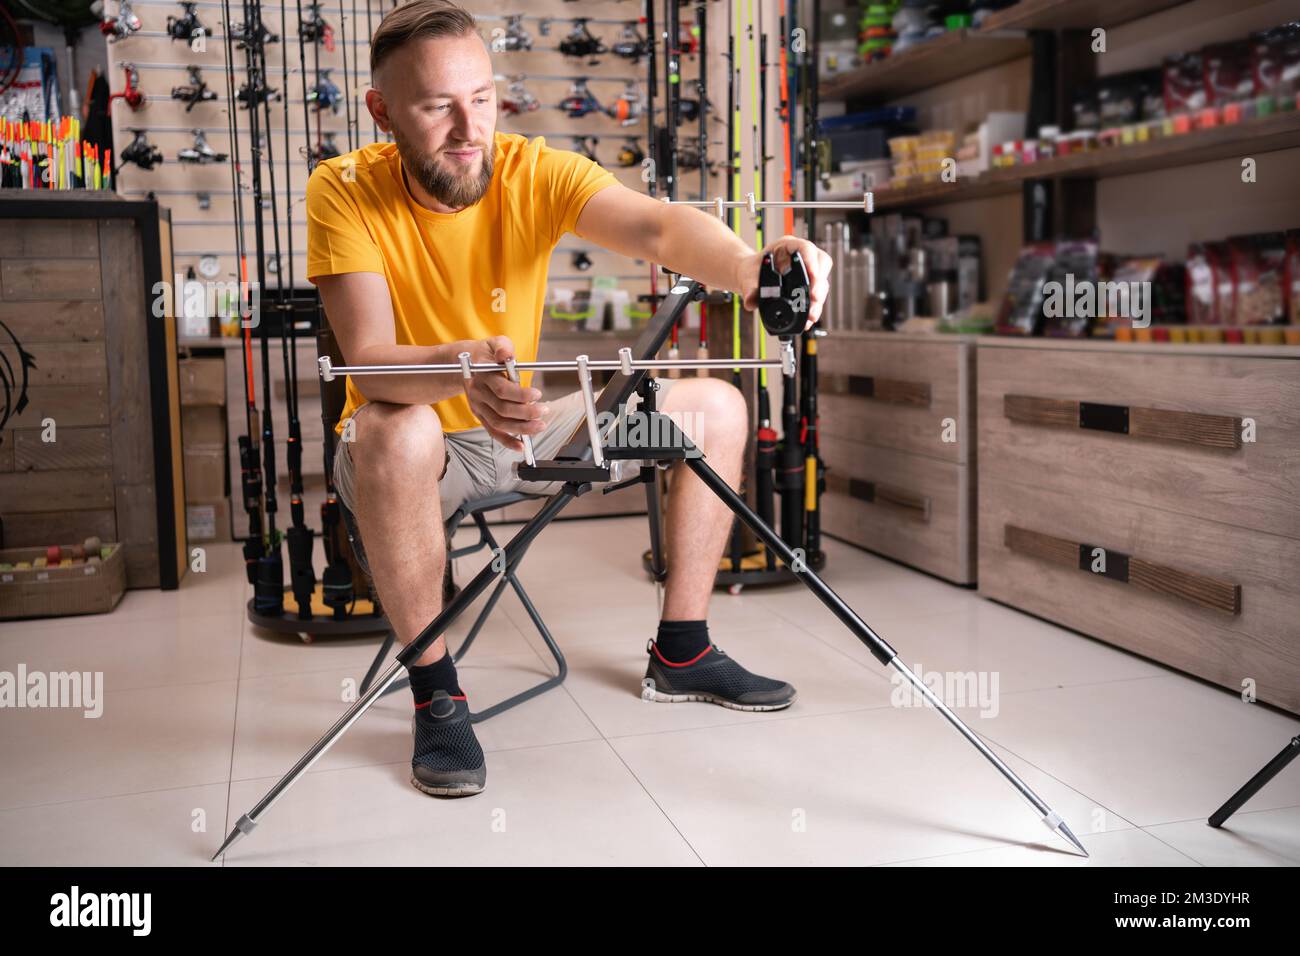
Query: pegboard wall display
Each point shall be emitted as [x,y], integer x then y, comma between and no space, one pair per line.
[577,74]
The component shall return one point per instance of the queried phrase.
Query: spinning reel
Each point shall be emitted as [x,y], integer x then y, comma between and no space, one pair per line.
[580,101]
[141,152]
[581,43]
[325,94]
[629,107]
[690,156]
[253,94]
[631,45]
[119,27]
[200,152]
[631,154]
[187,27]
[688,110]
[325,149]
[252,36]
[514,37]
[517,99]
[586,146]
[314,29]
[132,93]
[196,92]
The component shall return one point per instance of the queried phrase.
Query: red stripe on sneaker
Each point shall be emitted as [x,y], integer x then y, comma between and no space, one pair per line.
[424,705]
[655,648]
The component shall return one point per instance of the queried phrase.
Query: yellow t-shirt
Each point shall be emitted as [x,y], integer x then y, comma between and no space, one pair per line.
[470,274]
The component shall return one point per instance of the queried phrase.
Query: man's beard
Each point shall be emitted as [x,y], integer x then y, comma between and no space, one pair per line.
[450,189]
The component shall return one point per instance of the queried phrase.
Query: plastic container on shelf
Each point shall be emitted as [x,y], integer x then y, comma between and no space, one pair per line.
[1029,151]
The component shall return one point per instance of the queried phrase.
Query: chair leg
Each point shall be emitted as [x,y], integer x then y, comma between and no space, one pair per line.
[562,666]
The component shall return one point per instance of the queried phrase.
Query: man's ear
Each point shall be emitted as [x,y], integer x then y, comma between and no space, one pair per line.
[378,109]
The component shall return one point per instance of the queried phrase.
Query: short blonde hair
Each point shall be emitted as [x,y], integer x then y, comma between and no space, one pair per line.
[416,21]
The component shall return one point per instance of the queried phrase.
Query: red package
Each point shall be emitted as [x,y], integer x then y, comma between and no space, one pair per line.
[1257,264]
[1266,60]
[1184,83]
[1228,75]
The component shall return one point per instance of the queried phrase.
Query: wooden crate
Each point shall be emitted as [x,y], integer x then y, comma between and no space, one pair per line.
[82,588]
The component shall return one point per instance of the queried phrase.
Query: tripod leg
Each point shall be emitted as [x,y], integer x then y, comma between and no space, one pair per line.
[877,645]
[1255,783]
[514,550]
[249,820]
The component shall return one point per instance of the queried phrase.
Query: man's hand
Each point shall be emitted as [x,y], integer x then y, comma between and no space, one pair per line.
[504,408]
[817,263]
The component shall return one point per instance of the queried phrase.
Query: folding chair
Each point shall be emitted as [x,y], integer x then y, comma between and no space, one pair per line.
[333,399]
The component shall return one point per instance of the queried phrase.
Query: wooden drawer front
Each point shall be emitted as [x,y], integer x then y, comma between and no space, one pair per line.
[1160,431]
[910,507]
[903,395]
[1211,599]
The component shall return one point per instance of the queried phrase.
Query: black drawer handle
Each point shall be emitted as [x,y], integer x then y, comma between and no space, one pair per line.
[1214,593]
[891,390]
[912,505]
[1157,424]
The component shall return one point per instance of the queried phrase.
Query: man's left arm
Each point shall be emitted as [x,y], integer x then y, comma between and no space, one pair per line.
[694,243]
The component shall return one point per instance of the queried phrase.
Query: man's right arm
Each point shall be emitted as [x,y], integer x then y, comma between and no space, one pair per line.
[361,315]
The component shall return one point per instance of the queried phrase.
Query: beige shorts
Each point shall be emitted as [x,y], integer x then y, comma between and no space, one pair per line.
[476,466]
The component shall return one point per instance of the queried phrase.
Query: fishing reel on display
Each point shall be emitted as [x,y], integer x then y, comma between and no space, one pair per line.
[252,36]
[629,107]
[631,45]
[517,99]
[325,149]
[314,29]
[325,94]
[131,94]
[580,43]
[196,92]
[630,154]
[580,101]
[689,154]
[140,151]
[118,27]
[586,146]
[513,37]
[688,110]
[187,27]
[254,93]
[200,152]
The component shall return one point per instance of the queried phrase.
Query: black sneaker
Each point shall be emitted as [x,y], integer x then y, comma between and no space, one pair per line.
[448,760]
[712,677]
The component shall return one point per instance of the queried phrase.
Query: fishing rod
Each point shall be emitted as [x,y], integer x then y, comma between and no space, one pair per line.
[814,467]
[268,592]
[790,478]
[672,92]
[736,543]
[250,468]
[702,85]
[765,438]
[338,589]
[298,537]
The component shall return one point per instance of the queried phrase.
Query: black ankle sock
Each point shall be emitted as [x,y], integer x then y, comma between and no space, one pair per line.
[679,641]
[440,675]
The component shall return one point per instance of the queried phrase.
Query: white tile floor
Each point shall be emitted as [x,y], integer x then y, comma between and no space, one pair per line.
[203,712]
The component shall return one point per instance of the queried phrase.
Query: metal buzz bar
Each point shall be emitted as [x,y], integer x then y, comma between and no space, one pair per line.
[754,204]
